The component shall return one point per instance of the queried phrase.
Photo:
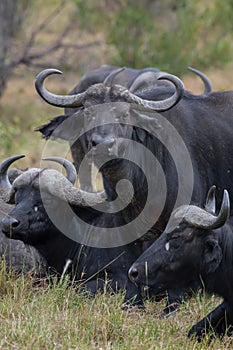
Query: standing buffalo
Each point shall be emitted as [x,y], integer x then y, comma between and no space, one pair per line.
[204,124]
[42,217]
[196,246]
[109,75]
[110,140]
[133,79]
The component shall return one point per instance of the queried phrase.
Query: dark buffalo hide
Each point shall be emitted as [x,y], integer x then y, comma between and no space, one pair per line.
[196,249]
[133,79]
[18,256]
[44,221]
[189,141]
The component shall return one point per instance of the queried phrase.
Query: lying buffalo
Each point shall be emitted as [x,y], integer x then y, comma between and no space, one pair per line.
[196,246]
[18,256]
[44,216]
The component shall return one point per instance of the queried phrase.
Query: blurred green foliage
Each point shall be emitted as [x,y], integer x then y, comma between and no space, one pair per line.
[169,34]
[8,132]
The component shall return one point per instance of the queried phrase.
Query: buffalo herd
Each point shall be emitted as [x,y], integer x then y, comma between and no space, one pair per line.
[159,223]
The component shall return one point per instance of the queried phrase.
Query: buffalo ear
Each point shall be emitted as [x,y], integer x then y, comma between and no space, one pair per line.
[212,255]
[65,127]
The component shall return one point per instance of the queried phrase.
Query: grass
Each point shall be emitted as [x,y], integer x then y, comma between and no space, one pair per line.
[55,316]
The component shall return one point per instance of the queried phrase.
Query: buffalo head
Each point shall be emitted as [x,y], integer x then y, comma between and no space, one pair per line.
[34,191]
[105,122]
[106,138]
[189,248]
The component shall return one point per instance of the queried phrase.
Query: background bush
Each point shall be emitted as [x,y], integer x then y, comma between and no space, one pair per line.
[169,34]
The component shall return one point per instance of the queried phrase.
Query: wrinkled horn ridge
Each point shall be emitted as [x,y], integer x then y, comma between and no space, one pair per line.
[58,185]
[5,185]
[202,219]
[56,100]
[71,173]
[72,194]
[77,100]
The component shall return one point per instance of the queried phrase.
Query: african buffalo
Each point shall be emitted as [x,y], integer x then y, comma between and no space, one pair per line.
[108,75]
[18,256]
[169,144]
[114,169]
[133,79]
[151,117]
[197,245]
[42,217]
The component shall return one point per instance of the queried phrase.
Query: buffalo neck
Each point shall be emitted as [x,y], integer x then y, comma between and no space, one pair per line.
[56,250]
[137,175]
[221,280]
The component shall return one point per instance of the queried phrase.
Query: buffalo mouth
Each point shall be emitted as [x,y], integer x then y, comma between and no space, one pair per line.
[16,235]
[109,150]
[145,291]
[104,152]
[156,291]
[13,229]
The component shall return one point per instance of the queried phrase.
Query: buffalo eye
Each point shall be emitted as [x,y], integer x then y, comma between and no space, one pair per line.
[125,116]
[36,208]
[167,246]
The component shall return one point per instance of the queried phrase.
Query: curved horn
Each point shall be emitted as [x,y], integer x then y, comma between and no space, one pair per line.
[58,185]
[144,79]
[210,204]
[112,75]
[71,173]
[56,100]
[5,185]
[205,80]
[159,106]
[201,219]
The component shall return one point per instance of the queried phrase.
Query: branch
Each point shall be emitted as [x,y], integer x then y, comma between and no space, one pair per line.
[27,57]
[43,25]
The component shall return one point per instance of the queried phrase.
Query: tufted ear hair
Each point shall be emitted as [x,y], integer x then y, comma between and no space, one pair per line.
[65,127]
[212,255]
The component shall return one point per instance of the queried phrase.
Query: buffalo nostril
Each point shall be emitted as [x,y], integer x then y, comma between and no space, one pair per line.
[98,139]
[14,223]
[8,223]
[133,274]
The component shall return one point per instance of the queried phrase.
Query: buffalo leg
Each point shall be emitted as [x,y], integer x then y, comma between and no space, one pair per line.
[217,320]
[174,299]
